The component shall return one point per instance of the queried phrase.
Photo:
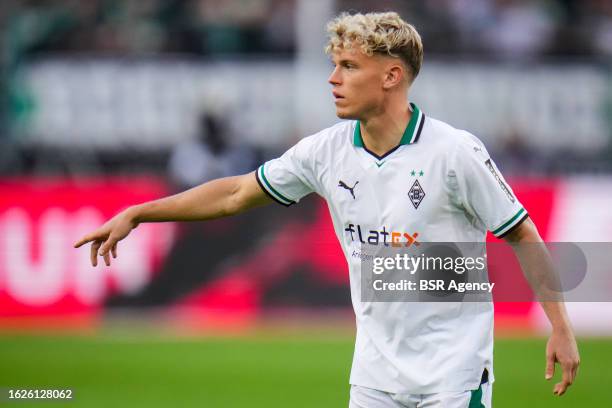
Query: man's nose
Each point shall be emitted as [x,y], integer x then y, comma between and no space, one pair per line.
[334,77]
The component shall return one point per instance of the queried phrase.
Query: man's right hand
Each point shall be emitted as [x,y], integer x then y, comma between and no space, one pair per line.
[215,199]
[104,240]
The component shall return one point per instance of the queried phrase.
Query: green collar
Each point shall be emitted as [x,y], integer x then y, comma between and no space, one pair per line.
[411,134]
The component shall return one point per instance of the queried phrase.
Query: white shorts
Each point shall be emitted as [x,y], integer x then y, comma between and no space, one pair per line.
[362,397]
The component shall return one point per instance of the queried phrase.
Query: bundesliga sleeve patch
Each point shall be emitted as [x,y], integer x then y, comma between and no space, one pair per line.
[501,183]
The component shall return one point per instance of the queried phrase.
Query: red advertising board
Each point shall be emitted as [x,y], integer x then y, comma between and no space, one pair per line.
[41,275]
[40,219]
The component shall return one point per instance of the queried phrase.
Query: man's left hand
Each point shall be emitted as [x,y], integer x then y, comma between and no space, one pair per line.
[561,348]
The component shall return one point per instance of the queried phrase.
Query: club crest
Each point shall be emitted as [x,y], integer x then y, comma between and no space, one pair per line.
[416,194]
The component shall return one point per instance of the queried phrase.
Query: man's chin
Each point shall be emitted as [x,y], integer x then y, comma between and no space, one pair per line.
[342,114]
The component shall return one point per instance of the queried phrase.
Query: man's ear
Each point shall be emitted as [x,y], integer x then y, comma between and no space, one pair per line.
[394,75]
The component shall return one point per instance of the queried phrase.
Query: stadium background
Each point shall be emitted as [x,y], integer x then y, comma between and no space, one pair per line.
[104,104]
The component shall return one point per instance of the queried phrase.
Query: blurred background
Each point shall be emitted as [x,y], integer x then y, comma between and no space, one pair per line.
[108,103]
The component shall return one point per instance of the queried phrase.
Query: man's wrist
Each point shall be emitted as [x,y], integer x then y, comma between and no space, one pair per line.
[557,316]
[562,329]
[134,213]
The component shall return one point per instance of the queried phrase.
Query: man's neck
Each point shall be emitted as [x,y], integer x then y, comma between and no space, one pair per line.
[384,132]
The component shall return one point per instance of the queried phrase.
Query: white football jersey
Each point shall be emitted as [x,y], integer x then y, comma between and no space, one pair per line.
[438,185]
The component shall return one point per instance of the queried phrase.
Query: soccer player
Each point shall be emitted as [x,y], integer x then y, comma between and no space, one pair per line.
[390,174]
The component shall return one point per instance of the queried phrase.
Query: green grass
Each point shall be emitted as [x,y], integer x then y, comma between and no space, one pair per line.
[259,371]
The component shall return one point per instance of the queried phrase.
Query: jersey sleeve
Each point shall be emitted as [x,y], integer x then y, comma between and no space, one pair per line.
[291,176]
[481,189]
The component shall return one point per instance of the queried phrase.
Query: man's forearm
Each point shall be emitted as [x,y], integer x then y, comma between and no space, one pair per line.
[538,268]
[215,199]
[210,200]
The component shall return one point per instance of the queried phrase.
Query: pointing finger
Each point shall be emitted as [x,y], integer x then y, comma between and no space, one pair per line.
[84,240]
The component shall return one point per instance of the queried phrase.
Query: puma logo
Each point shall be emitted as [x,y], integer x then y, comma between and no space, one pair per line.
[345,186]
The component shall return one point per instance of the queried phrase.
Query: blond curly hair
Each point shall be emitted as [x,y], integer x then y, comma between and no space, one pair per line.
[377,33]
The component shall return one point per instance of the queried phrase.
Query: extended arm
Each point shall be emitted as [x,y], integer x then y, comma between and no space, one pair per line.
[215,199]
[537,268]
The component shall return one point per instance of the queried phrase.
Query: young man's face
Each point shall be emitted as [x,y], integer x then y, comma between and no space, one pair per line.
[358,82]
